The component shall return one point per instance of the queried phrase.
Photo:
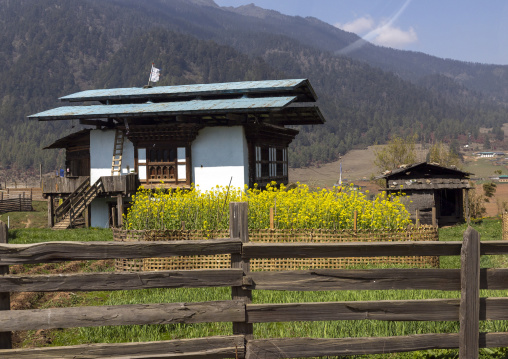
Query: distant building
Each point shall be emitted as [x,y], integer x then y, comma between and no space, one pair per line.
[490,154]
[484,154]
[431,186]
[173,136]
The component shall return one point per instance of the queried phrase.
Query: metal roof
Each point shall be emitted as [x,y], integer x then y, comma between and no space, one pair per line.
[268,87]
[194,107]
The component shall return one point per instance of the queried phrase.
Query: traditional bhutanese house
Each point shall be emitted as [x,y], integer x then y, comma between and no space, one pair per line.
[430,189]
[173,136]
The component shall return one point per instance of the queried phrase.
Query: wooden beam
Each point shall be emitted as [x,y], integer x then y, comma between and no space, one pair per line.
[493,247]
[131,314]
[422,310]
[5,296]
[350,249]
[339,279]
[393,310]
[434,217]
[318,347]
[470,295]
[122,280]
[209,347]
[493,278]
[52,252]
[236,119]
[119,210]
[97,123]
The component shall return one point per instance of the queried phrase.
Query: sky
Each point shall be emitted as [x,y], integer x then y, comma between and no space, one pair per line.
[466,30]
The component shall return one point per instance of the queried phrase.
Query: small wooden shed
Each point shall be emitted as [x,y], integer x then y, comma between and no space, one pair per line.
[432,190]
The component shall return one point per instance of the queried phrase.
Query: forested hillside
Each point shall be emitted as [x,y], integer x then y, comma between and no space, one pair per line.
[50,48]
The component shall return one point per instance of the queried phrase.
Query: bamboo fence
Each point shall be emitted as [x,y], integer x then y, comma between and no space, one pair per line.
[421,233]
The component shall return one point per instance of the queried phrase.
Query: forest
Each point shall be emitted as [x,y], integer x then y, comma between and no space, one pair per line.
[53,48]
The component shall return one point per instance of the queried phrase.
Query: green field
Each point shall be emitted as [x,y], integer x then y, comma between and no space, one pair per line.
[484,167]
[489,230]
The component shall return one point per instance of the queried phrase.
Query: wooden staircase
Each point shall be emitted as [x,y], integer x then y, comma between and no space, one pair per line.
[69,212]
[116,164]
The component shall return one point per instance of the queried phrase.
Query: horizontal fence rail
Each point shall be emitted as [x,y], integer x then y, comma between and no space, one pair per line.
[350,249]
[51,252]
[311,347]
[403,310]
[210,347]
[122,281]
[132,314]
[469,309]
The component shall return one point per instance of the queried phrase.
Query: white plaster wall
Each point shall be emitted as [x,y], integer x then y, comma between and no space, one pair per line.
[219,154]
[99,213]
[101,154]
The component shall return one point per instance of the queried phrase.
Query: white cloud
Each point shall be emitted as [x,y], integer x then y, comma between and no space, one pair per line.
[358,26]
[382,33]
[394,37]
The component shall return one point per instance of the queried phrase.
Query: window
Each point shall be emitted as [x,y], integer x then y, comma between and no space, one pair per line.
[271,165]
[163,163]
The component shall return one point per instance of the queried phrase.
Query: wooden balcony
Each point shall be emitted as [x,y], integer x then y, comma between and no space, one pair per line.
[120,184]
[61,185]
[111,184]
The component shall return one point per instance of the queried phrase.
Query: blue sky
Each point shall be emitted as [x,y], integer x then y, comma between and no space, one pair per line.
[467,30]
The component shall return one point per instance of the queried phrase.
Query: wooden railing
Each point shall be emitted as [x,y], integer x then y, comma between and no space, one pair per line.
[468,310]
[71,200]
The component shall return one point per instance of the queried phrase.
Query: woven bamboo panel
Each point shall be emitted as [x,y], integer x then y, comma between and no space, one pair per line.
[422,233]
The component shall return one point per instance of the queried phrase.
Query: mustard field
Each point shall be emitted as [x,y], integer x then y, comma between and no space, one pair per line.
[294,208]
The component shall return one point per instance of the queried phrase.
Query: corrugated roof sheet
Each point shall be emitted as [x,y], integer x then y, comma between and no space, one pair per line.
[245,87]
[251,105]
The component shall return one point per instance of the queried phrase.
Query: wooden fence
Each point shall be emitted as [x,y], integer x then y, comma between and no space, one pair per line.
[240,310]
[15,202]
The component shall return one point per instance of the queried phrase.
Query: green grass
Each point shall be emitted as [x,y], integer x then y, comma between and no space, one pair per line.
[38,218]
[488,229]
[482,167]
[36,235]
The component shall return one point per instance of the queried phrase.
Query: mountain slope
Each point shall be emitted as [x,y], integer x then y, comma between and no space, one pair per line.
[491,80]
[50,48]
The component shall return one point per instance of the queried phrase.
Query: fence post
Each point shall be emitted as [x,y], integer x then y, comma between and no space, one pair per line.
[434,217]
[119,210]
[51,212]
[465,194]
[5,297]
[272,226]
[238,228]
[469,312]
